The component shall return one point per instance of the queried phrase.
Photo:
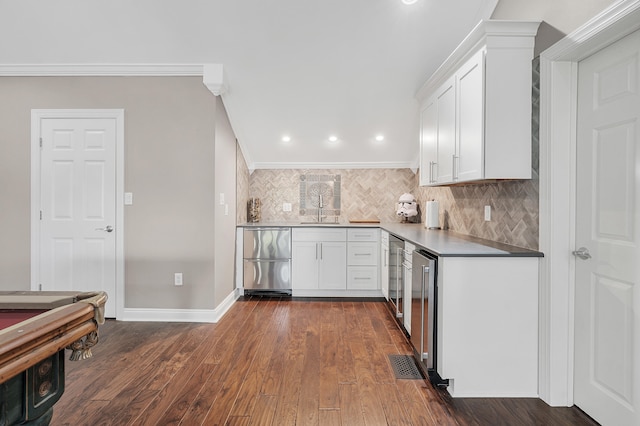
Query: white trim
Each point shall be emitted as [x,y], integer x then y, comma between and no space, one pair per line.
[97,70]
[522,35]
[181,315]
[558,99]
[337,293]
[359,165]
[213,77]
[36,117]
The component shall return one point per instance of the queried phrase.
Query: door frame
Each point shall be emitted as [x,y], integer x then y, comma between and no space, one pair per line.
[558,119]
[37,115]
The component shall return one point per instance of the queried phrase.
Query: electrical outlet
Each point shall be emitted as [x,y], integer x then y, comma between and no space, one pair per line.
[286,207]
[487,213]
[177,278]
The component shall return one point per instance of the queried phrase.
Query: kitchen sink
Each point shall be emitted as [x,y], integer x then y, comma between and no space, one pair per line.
[319,223]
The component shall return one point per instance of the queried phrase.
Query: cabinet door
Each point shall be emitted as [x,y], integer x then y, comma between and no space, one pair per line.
[469,155]
[332,271]
[304,265]
[428,142]
[446,132]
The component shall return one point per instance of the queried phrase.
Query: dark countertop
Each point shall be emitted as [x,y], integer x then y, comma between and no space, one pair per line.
[439,242]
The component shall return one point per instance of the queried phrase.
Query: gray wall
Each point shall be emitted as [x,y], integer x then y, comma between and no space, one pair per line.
[170,151]
[225,216]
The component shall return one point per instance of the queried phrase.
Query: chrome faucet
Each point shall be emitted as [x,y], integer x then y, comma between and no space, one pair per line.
[320,206]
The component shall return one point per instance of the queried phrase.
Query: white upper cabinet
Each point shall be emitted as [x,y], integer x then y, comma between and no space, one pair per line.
[476,108]
[470,125]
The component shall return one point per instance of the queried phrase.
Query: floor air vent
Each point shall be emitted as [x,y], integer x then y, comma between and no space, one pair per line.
[404,367]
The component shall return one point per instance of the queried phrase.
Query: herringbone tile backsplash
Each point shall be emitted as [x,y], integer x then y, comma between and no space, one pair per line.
[372,193]
[514,210]
[242,186]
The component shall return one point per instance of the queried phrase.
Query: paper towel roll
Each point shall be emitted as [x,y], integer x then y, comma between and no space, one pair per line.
[433,215]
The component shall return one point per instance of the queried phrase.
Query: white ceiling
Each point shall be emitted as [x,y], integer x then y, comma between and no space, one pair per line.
[305,68]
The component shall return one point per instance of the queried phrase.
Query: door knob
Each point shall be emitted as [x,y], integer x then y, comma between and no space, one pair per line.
[107,228]
[582,253]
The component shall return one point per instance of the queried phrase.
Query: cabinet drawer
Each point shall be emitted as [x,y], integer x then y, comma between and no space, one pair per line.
[362,278]
[363,234]
[319,234]
[362,254]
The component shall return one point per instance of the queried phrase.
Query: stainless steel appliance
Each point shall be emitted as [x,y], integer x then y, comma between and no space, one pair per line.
[396,289]
[423,308]
[267,260]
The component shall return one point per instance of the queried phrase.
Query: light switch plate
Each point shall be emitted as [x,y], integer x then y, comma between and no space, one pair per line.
[128,198]
[286,207]
[222,198]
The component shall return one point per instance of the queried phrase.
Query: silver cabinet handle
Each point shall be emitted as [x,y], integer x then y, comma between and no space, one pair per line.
[107,228]
[582,253]
[431,163]
[454,173]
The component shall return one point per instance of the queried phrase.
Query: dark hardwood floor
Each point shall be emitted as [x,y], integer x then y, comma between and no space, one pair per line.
[272,361]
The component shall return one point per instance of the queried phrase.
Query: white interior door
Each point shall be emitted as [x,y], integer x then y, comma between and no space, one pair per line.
[607,295]
[78,205]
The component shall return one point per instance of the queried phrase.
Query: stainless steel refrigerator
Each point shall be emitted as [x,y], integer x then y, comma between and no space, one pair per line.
[267,260]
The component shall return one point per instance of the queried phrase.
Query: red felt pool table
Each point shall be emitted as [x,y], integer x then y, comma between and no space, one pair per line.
[35,329]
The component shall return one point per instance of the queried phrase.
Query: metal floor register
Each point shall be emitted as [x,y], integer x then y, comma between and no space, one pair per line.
[404,367]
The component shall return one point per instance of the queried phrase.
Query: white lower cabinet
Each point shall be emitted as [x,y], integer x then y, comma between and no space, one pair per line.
[332,265]
[487,340]
[318,259]
[362,259]
[335,262]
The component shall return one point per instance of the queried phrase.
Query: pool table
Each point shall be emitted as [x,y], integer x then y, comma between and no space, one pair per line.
[35,329]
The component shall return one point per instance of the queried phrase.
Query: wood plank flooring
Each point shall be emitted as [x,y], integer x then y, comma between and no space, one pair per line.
[272,361]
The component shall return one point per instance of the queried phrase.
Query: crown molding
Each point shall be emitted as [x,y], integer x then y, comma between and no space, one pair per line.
[622,18]
[213,77]
[332,166]
[494,34]
[101,70]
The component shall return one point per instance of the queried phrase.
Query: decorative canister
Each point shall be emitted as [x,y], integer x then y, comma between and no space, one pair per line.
[253,210]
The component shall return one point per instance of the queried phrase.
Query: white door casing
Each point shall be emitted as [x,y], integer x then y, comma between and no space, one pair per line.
[607,349]
[558,106]
[76,193]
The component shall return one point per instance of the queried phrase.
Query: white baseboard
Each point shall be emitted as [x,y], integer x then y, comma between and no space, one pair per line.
[337,293]
[181,315]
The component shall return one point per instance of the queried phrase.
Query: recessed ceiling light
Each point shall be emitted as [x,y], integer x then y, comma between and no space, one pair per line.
[286,138]
[379,138]
[409,1]
[333,138]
